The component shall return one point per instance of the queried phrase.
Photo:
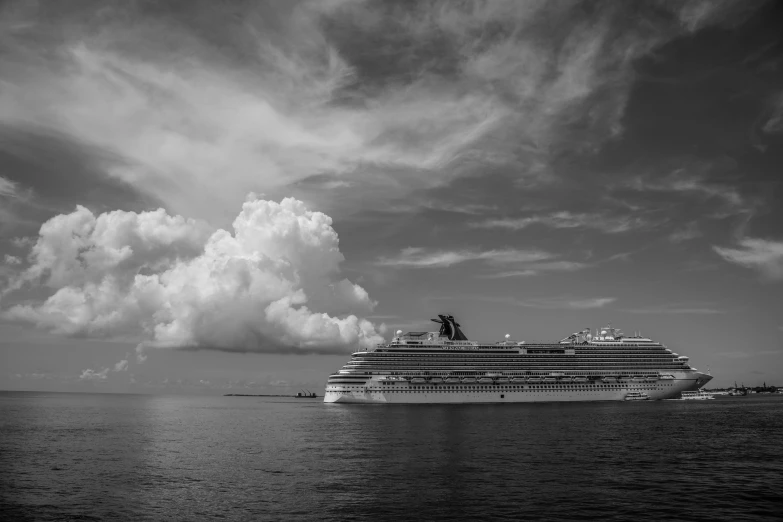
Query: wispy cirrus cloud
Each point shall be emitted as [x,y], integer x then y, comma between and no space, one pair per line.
[675,309]
[275,93]
[686,233]
[595,302]
[566,219]
[514,262]
[763,255]
[12,196]
[7,187]
[693,181]
[738,354]
[775,122]
[548,303]
[417,257]
[531,269]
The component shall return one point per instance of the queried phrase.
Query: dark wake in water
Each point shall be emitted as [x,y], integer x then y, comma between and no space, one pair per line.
[110,457]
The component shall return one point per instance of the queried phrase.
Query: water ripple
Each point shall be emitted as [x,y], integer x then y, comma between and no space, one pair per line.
[111,457]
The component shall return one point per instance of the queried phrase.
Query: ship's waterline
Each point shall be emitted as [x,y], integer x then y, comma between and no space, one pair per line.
[446,367]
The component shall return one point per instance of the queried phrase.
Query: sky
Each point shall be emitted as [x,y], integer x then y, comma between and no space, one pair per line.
[231,197]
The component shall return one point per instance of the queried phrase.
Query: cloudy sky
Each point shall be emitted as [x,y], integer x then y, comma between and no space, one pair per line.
[212,197]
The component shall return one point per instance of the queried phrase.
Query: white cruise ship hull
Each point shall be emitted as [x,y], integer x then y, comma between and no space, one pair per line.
[375,392]
[446,367]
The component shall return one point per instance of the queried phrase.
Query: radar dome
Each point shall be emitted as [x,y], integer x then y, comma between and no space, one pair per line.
[399,332]
[508,337]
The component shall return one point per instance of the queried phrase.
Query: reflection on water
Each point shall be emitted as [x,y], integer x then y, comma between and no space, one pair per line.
[185,458]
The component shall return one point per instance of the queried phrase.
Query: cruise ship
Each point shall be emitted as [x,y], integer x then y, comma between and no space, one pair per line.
[446,367]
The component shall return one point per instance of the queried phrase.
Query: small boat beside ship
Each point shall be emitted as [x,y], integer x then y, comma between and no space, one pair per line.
[636,396]
[698,395]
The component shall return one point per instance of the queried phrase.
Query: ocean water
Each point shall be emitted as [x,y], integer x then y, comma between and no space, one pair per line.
[122,457]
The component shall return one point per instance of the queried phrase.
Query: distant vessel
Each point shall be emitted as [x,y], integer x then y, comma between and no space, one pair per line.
[698,395]
[306,394]
[637,396]
[447,367]
[738,391]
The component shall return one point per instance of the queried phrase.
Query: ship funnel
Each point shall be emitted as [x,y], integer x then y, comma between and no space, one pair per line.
[449,328]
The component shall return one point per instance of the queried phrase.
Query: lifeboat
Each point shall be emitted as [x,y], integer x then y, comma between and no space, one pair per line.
[550,379]
[534,380]
[436,380]
[518,380]
[418,380]
[502,380]
[565,380]
[609,379]
[651,378]
[452,380]
[637,379]
[667,377]
[468,380]
[580,379]
[485,380]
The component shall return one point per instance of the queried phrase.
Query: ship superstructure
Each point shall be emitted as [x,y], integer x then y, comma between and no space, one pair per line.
[446,367]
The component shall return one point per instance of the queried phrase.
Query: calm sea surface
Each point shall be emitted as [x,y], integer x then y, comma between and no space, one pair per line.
[114,457]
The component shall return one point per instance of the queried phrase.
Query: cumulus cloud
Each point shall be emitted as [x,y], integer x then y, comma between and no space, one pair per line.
[271,285]
[92,375]
[35,376]
[121,366]
[763,255]
[23,242]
